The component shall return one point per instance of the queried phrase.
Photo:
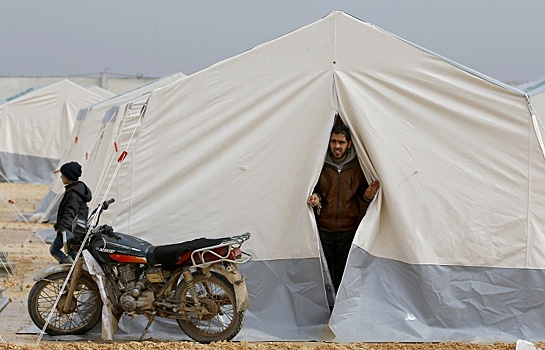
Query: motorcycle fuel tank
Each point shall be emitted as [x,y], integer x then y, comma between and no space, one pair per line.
[121,249]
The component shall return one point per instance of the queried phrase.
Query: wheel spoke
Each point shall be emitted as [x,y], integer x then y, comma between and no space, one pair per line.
[84,310]
[214,298]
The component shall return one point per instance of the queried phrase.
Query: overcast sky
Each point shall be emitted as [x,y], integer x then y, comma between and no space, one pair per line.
[504,39]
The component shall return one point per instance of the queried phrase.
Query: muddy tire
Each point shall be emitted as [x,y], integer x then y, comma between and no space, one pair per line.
[84,312]
[222,321]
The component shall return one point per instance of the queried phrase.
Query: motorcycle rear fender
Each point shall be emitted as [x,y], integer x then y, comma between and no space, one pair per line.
[54,269]
[236,279]
[241,293]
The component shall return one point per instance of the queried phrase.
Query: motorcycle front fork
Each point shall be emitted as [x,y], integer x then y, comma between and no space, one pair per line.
[78,267]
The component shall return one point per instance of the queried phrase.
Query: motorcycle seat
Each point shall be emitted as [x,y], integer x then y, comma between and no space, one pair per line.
[167,255]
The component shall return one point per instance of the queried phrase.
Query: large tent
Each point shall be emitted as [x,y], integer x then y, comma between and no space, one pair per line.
[87,134]
[19,94]
[101,91]
[536,91]
[34,130]
[450,250]
[538,101]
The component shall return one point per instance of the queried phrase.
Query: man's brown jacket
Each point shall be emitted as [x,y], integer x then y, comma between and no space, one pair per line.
[341,197]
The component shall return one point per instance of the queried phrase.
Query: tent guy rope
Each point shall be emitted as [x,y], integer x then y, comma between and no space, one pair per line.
[93,220]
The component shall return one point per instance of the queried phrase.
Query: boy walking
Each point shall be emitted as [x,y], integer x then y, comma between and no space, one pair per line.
[73,203]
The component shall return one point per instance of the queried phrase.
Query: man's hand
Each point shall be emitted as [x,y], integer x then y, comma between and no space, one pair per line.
[371,191]
[314,200]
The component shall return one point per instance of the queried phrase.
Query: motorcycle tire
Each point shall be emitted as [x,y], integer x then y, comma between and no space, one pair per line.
[217,295]
[85,312]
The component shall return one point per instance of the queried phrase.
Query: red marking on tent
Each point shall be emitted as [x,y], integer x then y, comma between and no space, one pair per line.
[10,201]
[86,155]
[122,156]
[76,140]
[115,146]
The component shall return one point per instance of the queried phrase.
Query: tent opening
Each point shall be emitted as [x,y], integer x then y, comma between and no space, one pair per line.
[340,199]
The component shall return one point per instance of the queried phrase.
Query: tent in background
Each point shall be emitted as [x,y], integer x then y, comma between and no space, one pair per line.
[87,134]
[539,103]
[536,90]
[450,250]
[16,95]
[19,94]
[34,129]
[100,91]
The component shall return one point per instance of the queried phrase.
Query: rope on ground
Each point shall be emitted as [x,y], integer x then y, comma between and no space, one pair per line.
[7,264]
[15,210]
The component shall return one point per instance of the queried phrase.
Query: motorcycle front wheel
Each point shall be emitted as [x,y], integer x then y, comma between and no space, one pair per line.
[84,311]
[222,320]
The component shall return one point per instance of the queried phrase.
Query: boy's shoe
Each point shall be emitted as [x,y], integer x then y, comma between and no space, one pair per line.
[67,260]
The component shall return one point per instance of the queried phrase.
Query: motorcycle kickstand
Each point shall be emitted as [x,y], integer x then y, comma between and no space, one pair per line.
[150,318]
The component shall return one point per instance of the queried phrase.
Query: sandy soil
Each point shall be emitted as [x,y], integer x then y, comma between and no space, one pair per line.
[31,255]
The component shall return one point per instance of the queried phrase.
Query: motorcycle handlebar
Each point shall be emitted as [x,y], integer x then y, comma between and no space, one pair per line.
[102,207]
[107,203]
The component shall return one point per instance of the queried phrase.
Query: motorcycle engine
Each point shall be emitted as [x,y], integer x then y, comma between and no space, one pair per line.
[133,284]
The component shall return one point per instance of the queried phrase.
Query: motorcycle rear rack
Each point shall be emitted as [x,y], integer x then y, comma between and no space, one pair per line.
[198,255]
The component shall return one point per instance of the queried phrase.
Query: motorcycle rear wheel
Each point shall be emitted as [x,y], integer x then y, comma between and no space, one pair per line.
[217,295]
[85,309]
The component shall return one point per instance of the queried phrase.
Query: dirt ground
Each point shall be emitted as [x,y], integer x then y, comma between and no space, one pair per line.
[31,255]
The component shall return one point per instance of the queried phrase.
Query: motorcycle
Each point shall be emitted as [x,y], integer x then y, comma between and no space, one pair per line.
[197,283]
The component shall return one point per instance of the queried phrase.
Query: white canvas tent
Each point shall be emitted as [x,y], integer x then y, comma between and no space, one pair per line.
[450,250]
[88,133]
[100,91]
[539,103]
[536,91]
[35,127]
[19,94]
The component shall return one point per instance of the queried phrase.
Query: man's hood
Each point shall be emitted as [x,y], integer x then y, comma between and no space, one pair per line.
[350,156]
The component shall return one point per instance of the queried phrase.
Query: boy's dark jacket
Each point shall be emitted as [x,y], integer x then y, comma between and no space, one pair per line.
[74,202]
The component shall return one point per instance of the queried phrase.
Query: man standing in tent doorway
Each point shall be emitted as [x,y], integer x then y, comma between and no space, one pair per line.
[340,200]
